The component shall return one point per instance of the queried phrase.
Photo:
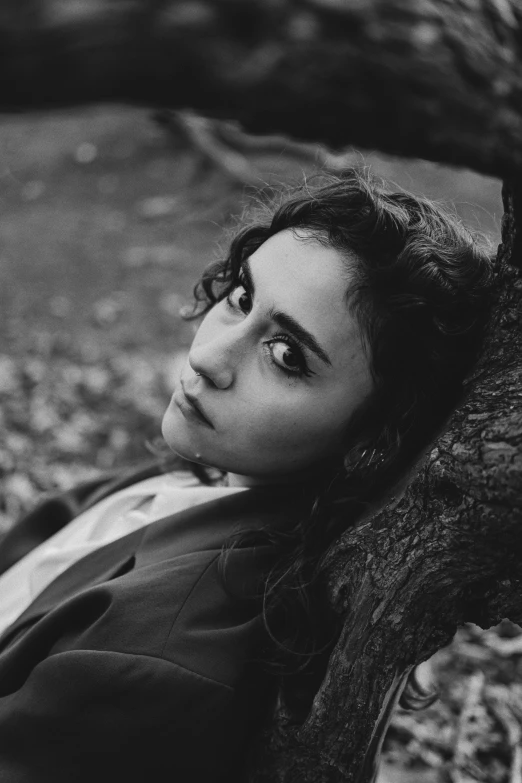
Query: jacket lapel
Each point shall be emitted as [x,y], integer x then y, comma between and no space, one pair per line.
[53,513]
[206,526]
[103,564]
[201,528]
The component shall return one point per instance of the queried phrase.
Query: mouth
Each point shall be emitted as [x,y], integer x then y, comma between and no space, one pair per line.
[190,407]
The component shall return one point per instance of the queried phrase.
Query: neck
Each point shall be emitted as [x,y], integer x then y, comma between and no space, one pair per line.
[239,480]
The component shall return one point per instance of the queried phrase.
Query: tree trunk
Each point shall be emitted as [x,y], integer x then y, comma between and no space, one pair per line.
[438,79]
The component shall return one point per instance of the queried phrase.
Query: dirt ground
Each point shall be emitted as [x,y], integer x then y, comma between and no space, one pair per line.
[106,220]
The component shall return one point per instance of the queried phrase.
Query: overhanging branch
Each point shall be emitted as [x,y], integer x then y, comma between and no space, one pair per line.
[439,79]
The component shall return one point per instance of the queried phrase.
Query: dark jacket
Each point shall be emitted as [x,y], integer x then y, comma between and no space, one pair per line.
[134,664]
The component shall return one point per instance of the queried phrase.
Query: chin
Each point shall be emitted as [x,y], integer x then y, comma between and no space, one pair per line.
[178,441]
[173,436]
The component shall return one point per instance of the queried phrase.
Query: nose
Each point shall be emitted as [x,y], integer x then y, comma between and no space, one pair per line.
[217,358]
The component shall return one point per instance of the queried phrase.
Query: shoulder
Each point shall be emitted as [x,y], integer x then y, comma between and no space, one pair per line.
[185,612]
[176,610]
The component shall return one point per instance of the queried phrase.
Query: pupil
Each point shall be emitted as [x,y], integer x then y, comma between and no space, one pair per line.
[288,358]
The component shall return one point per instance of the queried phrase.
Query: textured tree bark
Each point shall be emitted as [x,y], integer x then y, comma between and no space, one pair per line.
[438,79]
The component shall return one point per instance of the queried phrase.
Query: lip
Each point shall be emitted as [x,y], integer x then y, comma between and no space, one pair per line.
[190,407]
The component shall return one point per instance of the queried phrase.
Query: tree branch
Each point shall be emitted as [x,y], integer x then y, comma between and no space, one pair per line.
[439,79]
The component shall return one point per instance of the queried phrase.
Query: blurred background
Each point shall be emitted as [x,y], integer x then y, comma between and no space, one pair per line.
[108,215]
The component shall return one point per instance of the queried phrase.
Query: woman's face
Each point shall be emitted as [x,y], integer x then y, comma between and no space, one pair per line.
[277,369]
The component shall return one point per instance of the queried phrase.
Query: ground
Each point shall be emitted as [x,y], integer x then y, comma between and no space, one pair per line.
[106,220]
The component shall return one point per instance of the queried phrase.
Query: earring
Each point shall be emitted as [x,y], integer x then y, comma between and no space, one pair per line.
[364,457]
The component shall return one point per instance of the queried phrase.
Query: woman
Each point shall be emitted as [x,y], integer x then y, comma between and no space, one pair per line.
[335,342]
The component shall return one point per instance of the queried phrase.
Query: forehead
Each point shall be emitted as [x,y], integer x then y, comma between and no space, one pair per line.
[301,257]
[296,274]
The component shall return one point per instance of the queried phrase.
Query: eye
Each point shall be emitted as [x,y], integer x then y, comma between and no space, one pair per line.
[239,299]
[287,356]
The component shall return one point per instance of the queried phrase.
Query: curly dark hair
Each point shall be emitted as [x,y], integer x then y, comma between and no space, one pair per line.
[421,292]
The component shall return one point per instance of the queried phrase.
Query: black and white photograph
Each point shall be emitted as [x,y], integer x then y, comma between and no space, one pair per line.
[260,391]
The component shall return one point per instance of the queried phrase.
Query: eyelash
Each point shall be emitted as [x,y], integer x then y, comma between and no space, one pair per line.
[284,338]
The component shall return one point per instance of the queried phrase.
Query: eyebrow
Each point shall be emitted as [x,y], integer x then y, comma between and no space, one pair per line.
[286,321]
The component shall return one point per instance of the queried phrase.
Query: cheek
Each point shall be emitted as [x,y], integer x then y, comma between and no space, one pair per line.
[304,423]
